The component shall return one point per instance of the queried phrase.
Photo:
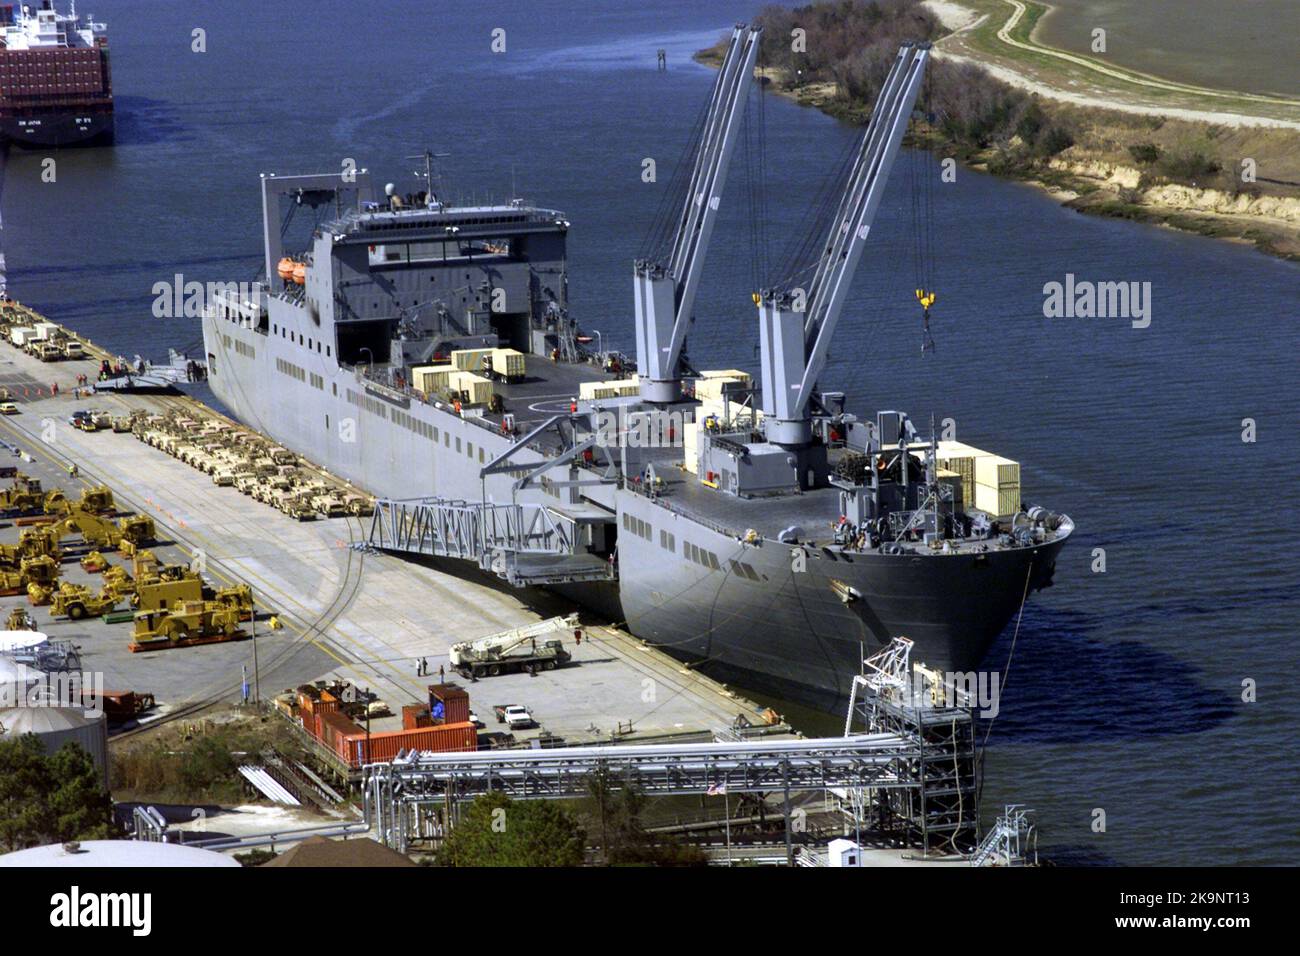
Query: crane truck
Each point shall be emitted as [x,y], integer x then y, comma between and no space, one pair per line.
[528,648]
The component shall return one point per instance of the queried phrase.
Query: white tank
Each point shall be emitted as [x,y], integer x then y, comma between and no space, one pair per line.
[55,726]
[17,681]
[12,642]
[115,853]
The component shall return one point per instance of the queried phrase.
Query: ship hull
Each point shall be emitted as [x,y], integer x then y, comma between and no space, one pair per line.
[753,614]
[64,128]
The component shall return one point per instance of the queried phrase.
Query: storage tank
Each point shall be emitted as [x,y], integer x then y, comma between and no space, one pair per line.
[56,726]
[17,681]
[18,644]
[115,853]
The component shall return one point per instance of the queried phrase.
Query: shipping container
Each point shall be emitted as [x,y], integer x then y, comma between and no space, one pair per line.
[475,389]
[356,749]
[996,472]
[415,716]
[448,703]
[710,384]
[469,360]
[334,727]
[1000,502]
[508,364]
[431,379]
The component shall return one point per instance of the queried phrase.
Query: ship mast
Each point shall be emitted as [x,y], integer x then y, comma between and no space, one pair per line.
[665,287]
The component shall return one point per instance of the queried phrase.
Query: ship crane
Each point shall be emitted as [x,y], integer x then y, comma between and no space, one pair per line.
[794,343]
[665,288]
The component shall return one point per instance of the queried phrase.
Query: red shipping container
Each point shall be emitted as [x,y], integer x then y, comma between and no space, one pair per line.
[445,738]
[454,701]
[415,716]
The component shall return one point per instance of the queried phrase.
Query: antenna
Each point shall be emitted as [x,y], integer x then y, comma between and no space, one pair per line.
[432,183]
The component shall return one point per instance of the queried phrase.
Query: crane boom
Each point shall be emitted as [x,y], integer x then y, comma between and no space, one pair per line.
[664,292]
[794,346]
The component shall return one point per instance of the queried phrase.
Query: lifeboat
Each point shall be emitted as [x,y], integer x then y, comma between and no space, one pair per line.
[300,273]
[285,269]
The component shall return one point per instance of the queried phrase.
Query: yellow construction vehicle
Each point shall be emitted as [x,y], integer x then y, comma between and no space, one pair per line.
[98,500]
[161,593]
[138,530]
[186,624]
[76,601]
[97,532]
[24,495]
[20,620]
[39,594]
[41,541]
[94,562]
[40,569]
[239,597]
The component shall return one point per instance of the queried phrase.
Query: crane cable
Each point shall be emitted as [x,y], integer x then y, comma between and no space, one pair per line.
[923,175]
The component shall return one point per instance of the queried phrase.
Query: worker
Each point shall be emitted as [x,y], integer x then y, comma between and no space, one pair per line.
[577,636]
[72,470]
[442,674]
[54,389]
[573,406]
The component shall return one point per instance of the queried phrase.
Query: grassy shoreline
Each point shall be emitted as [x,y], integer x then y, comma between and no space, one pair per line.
[1175,172]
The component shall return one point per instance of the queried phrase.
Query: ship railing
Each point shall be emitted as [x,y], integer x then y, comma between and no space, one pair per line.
[639,487]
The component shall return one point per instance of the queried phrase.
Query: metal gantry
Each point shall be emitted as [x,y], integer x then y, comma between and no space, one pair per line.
[939,807]
[909,774]
[404,797]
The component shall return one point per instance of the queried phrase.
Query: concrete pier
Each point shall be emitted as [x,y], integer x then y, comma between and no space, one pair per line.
[365,617]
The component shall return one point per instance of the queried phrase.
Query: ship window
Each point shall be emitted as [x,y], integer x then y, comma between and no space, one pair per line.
[435,433]
[480,456]
[327,351]
[446,439]
[469,449]
[336,388]
[458,446]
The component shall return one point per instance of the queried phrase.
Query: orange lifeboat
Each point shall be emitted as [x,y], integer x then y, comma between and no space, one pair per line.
[300,273]
[285,269]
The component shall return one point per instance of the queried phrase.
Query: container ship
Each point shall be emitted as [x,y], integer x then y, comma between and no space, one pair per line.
[55,88]
[425,352]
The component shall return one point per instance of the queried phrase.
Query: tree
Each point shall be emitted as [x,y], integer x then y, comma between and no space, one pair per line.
[623,839]
[498,831]
[50,798]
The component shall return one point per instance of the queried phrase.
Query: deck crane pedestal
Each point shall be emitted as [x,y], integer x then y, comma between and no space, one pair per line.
[665,288]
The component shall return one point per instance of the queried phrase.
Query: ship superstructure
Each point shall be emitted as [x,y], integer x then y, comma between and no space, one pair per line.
[55,85]
[425,352]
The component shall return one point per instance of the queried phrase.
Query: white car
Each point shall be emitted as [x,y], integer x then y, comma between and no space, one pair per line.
[518,717]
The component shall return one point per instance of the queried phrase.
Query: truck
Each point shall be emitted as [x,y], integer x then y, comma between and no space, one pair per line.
[517,716]
[526,648]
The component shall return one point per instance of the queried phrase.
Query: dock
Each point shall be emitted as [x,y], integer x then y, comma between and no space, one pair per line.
[343,611]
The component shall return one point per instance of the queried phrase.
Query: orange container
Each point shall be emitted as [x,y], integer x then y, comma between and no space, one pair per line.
[448,704]
[445,738]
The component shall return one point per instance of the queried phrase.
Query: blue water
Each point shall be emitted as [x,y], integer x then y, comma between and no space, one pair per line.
[1124,687]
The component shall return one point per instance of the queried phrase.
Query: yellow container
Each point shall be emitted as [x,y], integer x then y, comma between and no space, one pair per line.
[431,379]
[469,360]
[476,388]
[508,363]
[999,501]
[996,472]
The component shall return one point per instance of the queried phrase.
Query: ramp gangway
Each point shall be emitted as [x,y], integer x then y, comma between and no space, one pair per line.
[526,544]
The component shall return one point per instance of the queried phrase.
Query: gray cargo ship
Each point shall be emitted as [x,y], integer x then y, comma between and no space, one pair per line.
[425,352]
